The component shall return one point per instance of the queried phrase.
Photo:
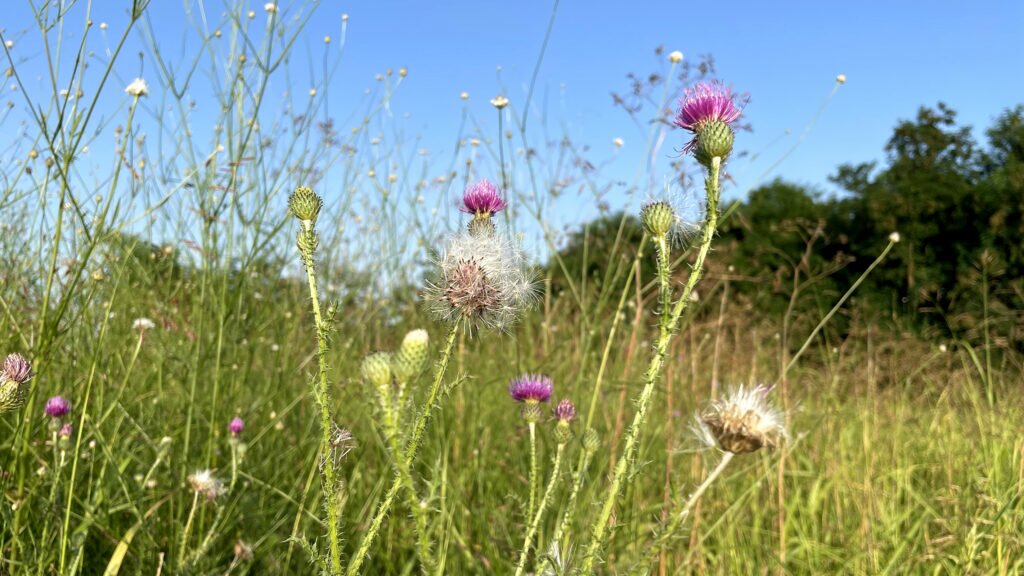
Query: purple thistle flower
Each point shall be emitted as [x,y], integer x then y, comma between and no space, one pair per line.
[482,198]
[65,430]
[236,426]
[57,407]
[531,388]
[565,411]
[17,368]
[705,102]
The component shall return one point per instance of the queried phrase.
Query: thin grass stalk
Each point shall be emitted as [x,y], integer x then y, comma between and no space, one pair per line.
[536,519]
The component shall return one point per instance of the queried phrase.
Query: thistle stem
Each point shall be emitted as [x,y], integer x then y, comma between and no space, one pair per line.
[535,523]
[653,373]
[533,471]
[187,530]
[570,507]
[410,453]
[322,396]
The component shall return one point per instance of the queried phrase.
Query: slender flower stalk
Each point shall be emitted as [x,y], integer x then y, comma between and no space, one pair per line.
[531,390]
[590,444]
[305,205]
[706,113]
[536,519]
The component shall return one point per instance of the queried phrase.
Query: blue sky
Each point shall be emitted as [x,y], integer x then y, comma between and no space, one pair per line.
[897,56]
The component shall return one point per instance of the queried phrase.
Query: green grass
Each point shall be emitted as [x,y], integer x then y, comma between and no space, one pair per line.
[902,459]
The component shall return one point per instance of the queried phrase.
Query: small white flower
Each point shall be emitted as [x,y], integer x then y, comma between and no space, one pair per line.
[894,237]
[675,57]
[618,142]
[499,102]
[137,88]
[841,79]
[9,44]
[143,324]
[270,7]
[103,25]
[205,484]
[943,348]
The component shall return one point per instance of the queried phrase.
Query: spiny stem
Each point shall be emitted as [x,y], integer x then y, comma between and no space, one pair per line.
[533,471]
[600,526]
[410,453]
[570,508]
[535,523]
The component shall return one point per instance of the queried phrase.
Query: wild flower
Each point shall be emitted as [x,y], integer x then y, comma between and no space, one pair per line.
[483,281]
[207,485]
[17,371]
[137,88]
[744,421]
[531,388]
[482,199]
[708,110]
[65,431]
[675,57]
[57,407]
[565,411]
[143,324]
[236,426]
[499,102]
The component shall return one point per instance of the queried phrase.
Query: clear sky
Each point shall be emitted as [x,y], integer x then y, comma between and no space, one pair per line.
[897,56]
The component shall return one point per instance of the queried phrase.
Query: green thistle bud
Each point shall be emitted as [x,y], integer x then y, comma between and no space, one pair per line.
[590,441]
[714,138]
[12,395]
[532,412]
[658,218]
[481,226]
[307,242]
[562,432]
[377,369]
[305,204]
[411,356]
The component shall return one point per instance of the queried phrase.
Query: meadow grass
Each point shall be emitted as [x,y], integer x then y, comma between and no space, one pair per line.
[901,457]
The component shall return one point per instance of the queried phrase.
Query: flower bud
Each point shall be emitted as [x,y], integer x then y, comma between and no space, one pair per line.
[411,356]
[377,369]
[714,138]
[658,218]
[591,442]
[305,204]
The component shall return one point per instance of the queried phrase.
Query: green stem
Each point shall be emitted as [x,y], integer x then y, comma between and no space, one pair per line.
[535,523]
[570,508]
[323,399]
[410,453]
[600,526]
[187,530]
[533,471]
[677,520]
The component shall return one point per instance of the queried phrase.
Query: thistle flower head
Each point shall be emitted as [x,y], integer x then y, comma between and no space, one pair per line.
[531,388]
[744,421]
[483,280]
[17,369]
[57,407]
[482,199]
[305,204]
[236,426]
[708,111]
[206,484]
[65,430]
[565,411]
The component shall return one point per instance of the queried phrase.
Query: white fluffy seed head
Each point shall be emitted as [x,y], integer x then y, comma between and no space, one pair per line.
[744,421]
[206,485]
[483,280]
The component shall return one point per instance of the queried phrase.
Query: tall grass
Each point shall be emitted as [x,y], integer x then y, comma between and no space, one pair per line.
[903,458]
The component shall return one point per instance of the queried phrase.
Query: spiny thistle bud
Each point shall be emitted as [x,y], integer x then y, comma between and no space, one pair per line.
[481,227]
[658,218]
[744,421]
[17,371]
[565,412]
[591,441]
[714,139]
[307,241]
[377,369]
[411,356]
[532,412]
[305,204]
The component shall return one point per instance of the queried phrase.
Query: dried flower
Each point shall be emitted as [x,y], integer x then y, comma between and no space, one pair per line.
[482,199]
[744,421]
[707,110]
[137,88]
[143,324]
[483,281]
[57,407]
[894,237]
[236,426]
[531,388]
[206,485]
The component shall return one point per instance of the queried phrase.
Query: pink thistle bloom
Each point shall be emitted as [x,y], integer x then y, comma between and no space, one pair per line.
[57,407]
[482,198]
[705,102]
[531,388]
[565,411]
[17,369]
[65,430]
[236,426]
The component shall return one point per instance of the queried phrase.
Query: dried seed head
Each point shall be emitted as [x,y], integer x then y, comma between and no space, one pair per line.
[206,485]
[744,422]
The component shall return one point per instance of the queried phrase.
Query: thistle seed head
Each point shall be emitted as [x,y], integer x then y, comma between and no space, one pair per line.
[744,422]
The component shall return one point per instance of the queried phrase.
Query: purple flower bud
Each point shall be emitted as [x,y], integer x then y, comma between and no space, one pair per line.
[65,430]
[565,411]
[57,407]
[483,199]
[17,368]
[531,388]
[706,102]
[236,426]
